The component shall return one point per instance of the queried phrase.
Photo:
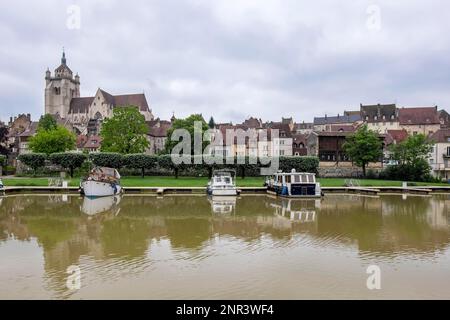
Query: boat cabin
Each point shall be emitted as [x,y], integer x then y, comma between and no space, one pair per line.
[294,184]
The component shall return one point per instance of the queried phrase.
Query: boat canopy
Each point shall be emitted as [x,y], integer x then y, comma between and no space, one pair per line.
[111,172]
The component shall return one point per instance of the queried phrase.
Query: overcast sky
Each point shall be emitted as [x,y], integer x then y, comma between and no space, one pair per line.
[231,59]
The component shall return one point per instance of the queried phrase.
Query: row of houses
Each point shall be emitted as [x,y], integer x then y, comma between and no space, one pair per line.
[324,137]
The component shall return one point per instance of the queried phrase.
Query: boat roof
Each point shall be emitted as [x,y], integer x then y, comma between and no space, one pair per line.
[224,172]
[293,173]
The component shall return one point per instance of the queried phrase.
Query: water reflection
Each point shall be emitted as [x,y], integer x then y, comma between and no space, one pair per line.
[93,206]
[223,204]
[73,230]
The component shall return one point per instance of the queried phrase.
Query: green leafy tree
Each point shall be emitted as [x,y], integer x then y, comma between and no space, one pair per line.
[412,150]
[187,124]
[47,123]
[3,140]
[68,160]
[363,147]
[33,160]
[52,141]
[412,156]
[211,123]
[108,159]
[141,161]
[125,132]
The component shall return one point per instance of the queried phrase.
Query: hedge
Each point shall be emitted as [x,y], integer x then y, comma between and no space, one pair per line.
[2,160]
[108,159]
[163,164]
[68,160]
[33,160]
[141,161]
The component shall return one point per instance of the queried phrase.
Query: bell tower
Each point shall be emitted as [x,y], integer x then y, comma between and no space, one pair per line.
[60,89]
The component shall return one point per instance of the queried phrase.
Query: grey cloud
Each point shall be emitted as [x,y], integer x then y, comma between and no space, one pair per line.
[231,59]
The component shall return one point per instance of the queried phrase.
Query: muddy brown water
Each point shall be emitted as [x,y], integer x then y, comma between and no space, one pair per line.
[250,247]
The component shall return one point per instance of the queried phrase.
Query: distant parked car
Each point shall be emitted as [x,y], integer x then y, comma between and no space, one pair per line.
[390,162]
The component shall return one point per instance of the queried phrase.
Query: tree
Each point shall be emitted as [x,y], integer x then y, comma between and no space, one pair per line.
[33,160]
[187,124]
[363,147]
[47,123]
[2,163]
[412,150]
[52,141]
[211,123]
[412,155]
[68,160]
[141,161]
[125,132]
[108,159]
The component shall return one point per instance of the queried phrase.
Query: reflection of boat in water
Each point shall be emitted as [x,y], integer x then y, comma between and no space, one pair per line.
[300,210]
[222,183]
[294,185]
[101,182]
[222,204]
[93,206]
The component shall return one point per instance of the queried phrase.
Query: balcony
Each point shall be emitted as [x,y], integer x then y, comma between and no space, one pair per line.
[446,155]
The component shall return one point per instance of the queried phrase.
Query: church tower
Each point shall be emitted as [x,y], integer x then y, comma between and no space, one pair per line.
[60,89]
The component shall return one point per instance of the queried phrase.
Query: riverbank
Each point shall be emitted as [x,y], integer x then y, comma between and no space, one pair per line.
[202,181]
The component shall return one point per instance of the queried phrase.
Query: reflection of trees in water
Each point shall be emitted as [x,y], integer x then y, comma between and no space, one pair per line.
[386,225]
[124,237]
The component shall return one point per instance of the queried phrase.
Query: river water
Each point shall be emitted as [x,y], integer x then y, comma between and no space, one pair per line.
[250,247]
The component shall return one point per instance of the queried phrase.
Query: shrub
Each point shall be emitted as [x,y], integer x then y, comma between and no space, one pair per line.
[141,161]
[419,171]
[300,164]
[2,160]
[108,159]
[33,160]
[68,160]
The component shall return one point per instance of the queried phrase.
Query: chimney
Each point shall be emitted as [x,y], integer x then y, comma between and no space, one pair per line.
[325,116]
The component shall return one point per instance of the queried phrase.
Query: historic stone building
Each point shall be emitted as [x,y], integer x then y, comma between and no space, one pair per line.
[62,97]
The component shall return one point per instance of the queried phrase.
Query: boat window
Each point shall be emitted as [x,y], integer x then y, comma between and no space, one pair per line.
[279,179]
[288,179]
[304,178]
[227,179]
[310,178]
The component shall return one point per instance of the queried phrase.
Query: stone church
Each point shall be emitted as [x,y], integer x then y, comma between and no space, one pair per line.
[85,114]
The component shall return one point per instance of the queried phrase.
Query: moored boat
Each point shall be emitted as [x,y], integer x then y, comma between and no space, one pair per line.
[222,183]
[294,184]
[101,182]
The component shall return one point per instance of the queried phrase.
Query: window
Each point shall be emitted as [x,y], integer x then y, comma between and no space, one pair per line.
[448,151]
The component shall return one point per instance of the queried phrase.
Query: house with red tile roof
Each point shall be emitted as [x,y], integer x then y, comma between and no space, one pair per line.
[424,120]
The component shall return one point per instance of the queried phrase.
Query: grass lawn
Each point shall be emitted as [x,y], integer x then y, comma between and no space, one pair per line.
[201,182]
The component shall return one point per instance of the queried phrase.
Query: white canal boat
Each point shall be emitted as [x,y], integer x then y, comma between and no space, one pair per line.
[222,183]
[294,184]
[101,182]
